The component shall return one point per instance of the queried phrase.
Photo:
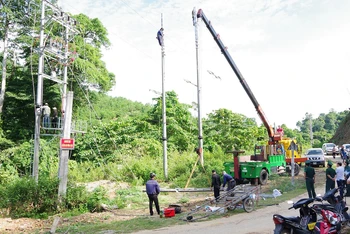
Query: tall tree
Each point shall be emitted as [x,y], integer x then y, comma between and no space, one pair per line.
[11,13]
[181,125]
[231,130]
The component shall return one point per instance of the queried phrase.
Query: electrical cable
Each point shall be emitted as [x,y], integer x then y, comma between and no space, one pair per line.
[96,115]
[131,45]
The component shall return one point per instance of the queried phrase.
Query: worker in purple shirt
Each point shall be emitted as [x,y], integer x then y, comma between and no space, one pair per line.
[231,183]
[152,190]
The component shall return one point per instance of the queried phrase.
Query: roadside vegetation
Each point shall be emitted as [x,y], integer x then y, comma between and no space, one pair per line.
[145,222]
[123,142]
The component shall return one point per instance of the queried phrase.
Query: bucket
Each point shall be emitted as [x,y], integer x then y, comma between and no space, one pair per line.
[169,212]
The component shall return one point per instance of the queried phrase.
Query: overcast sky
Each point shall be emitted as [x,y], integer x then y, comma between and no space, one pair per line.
[294,54]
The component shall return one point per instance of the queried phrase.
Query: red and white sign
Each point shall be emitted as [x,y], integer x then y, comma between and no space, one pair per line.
[67,144]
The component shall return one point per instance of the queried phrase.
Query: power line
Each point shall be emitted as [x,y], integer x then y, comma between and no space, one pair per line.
[96,115]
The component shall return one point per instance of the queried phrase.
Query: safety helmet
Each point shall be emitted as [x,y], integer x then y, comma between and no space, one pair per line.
[151,175]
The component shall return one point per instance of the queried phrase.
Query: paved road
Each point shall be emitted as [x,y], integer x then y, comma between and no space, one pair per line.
[259,221]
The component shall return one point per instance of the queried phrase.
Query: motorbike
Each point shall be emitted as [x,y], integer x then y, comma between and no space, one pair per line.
[302,224]
[336,205]
[330,224]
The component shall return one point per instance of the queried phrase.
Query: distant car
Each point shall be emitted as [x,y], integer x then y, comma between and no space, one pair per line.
[316,157]
[328,148]
[347,147]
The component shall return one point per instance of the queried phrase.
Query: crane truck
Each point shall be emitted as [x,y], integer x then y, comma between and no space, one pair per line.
[267,159]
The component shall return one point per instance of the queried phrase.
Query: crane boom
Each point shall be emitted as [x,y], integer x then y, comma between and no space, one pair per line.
[272,136]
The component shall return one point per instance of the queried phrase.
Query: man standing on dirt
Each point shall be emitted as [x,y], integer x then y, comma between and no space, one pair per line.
[215,183]
[231,183]
[152,189]
[330,176]
[309,175]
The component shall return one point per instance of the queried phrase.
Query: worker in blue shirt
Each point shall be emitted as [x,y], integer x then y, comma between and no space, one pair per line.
[231,183]
[152,190]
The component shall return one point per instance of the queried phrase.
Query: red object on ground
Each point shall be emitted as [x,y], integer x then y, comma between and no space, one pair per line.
[169,212]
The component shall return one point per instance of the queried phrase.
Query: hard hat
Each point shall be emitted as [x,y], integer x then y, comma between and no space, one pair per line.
[151,175]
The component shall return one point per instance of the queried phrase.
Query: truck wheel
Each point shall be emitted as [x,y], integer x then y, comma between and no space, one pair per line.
[248,205]
[296,169]
[264,176]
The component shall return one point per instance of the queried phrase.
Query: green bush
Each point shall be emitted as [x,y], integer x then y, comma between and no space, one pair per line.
[96,199]
[131,195]
[26,198]
[76,198]
[90,171]
[3,196]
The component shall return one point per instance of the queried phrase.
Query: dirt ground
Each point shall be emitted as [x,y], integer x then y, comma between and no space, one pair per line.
[25,225]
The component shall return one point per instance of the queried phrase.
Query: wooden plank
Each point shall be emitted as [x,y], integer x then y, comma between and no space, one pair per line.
[55,224]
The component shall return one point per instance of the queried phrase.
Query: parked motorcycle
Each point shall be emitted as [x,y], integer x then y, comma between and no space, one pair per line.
[336,205]
[330,224]
[297,224]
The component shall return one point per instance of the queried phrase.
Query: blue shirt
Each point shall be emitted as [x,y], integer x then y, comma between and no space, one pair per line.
[227,178]
[152,187]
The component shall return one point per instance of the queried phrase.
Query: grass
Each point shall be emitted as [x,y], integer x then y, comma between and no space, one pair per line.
[127,226]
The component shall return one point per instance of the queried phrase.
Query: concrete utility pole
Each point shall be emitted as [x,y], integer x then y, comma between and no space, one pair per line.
[311,133]
[64,155]
[39,95]
[199,89]
[165,156]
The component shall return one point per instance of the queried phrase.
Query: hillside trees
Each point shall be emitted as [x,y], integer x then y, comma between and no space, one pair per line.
[88,69]
[231,130]
[181,125]
[323,127]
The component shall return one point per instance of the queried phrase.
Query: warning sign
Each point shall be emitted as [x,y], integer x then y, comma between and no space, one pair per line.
[67,144]
[293,146]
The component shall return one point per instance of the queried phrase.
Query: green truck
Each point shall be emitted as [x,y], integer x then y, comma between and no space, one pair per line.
[257,168]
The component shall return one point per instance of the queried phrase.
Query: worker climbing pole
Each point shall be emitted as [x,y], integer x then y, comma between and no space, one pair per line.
[160,38]
[199,88]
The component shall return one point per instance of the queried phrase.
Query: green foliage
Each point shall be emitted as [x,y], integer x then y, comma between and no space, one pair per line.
[96,199]
[342,135]
[90,171]
[181,126]
[131,196]
[26,198]
[184,200]
[324,127]
[105,109]
[4,196]
[230,130]
[76,198]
